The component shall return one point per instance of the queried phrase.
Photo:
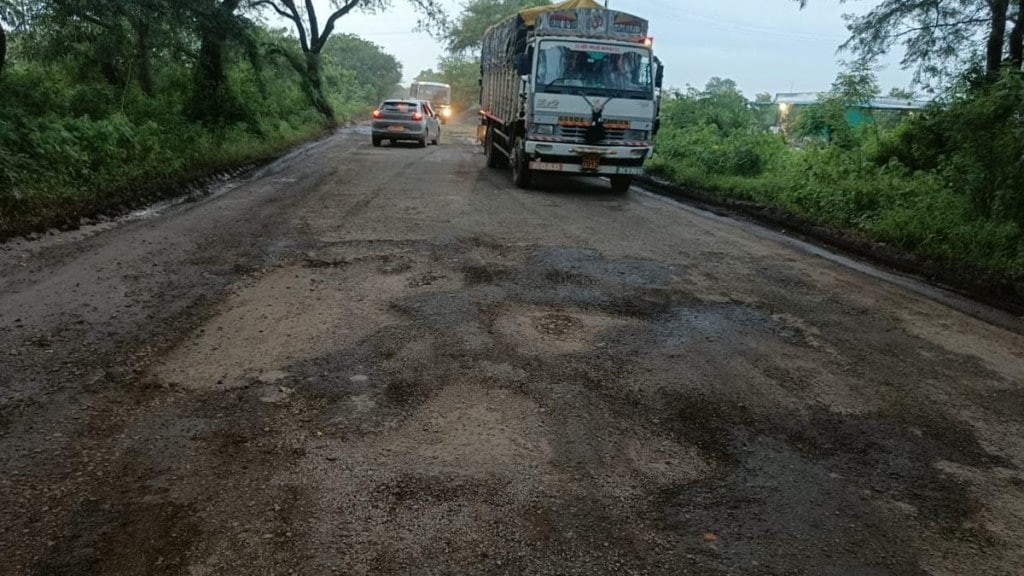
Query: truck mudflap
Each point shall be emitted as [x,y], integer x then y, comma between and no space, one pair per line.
[542,166]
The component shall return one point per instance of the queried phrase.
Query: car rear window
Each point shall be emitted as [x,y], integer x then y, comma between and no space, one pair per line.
[403,107]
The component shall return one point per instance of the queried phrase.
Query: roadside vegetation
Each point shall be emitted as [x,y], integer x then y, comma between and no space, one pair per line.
[946,183]
[105,104]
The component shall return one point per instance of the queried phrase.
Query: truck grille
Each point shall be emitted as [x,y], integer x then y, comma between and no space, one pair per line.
[580,134]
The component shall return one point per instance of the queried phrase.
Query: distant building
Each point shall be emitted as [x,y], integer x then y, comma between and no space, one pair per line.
[790,103]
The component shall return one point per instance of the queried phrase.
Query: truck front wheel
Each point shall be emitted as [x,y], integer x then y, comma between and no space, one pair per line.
[520,165]
[621,184]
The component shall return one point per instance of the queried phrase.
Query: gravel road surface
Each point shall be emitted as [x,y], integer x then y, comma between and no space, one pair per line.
[390,361]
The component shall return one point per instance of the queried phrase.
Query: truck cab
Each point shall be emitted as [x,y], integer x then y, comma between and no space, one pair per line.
[570,89]
[438,94]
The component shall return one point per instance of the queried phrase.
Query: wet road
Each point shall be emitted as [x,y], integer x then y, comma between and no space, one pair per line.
[391,361]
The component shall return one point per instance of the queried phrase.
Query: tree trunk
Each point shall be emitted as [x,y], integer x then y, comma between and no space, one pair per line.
[3,47]
[314,81]
[1017,38]
[996,36]
[145,63]
[212,101]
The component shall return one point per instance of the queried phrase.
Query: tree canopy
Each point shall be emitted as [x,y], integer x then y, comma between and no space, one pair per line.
[370,64]
[941,37]
[313,36]
[464,37]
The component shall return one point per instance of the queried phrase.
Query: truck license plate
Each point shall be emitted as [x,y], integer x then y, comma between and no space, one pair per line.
[591,161]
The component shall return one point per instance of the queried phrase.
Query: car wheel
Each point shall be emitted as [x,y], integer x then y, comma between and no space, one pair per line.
[621,184]
[376,142]
[495,158]
[520,165]
[422,143]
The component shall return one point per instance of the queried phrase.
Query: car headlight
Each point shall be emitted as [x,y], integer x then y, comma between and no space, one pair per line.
[446,112]
[543,129]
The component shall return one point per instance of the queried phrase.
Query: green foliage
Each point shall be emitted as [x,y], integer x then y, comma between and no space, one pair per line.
[975,140]
[368,63]
[715,132]
[853,89]
[462,74]
[477,16]
[79,137]
[460,67]
[939,38]
[948,184]
[826,119]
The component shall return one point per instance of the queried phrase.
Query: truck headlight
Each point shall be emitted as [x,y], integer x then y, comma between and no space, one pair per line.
[543,129]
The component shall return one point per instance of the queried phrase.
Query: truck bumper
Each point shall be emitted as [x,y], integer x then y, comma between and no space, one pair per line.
[542,166]
[580,158]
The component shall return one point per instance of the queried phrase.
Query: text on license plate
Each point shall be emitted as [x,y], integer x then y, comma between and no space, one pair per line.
[396,128]
[591,161]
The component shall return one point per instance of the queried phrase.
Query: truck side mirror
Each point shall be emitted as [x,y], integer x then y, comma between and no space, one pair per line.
[522,62]
[659,76]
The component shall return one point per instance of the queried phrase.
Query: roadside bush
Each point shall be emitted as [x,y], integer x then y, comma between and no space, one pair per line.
[80,135]
[947,183]
[976,141]
[714,133]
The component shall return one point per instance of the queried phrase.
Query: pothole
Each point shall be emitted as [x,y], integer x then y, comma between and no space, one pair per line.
[544,331]
[557,325]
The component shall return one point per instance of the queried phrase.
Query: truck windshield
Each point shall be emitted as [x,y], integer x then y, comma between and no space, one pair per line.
[609,69]
[433,94]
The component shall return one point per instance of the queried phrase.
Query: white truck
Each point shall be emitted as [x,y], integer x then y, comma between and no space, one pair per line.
[439,95]
[569,88]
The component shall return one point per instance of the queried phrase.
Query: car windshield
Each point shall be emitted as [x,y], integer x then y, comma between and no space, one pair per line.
[565,67]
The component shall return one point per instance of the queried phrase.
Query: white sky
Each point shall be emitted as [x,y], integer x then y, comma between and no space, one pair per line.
[764,45]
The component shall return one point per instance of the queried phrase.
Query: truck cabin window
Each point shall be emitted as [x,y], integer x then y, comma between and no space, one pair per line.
[566,68]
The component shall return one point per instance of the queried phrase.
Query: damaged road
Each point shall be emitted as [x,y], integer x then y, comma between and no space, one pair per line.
[390,361]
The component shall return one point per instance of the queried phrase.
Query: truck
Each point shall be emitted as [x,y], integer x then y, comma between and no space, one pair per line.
[571,88]
[438,94]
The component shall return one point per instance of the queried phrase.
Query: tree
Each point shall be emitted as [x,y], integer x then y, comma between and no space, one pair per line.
[127,32]
[938,35]
[216,22]
[462,74]
[16,14]
[313,38]
[368,61]
[765,110]
[477,16]
[857,86]
[3,46]
[901,94]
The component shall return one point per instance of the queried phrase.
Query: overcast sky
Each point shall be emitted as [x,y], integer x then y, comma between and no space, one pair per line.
[765,45]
